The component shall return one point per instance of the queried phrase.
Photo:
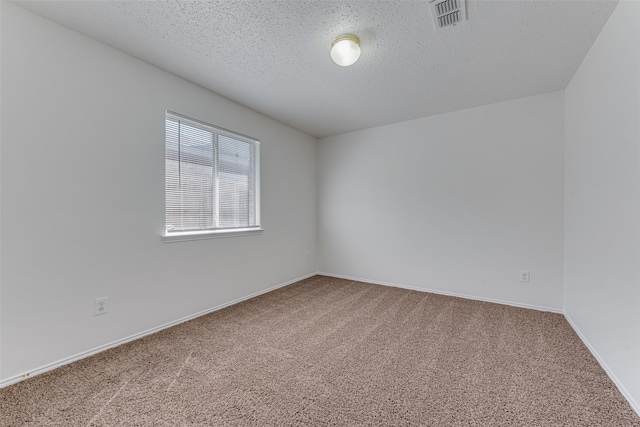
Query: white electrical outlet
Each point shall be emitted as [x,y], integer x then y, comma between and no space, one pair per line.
[100,306]
[525,277]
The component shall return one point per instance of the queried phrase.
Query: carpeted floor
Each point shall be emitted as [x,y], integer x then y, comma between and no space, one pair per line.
[327,351]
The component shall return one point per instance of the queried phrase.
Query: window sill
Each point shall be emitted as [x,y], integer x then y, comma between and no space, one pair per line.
[211,234]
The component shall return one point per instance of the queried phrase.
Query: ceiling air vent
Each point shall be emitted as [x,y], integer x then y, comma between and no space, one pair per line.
[447,13]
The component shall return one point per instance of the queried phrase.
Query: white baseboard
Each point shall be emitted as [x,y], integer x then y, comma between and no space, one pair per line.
[451,294]
[37,371]
[621,388]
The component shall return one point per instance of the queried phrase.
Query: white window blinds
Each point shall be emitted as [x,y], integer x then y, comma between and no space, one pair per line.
[212,178]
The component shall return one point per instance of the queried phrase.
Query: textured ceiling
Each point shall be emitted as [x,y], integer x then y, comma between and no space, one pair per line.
[273,56]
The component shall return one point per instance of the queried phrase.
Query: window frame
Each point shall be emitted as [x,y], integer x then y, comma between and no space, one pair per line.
[215,232]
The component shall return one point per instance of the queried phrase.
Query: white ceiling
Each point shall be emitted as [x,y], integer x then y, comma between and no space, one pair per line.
[273,56]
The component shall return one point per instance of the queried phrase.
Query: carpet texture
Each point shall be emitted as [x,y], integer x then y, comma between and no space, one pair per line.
[332,352]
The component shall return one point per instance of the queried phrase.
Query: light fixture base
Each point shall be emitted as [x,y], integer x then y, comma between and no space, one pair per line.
[350,37]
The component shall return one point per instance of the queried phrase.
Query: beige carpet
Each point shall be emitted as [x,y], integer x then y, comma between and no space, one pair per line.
[326,351]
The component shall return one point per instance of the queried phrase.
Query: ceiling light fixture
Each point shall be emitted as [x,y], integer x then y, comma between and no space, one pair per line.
[345,49]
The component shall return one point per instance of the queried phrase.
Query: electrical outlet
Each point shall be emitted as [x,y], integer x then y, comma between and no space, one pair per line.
[525,277]
[100,306]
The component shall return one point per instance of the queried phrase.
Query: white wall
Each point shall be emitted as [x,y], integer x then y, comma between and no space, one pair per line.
[602,202]
[83,198]
[457,203]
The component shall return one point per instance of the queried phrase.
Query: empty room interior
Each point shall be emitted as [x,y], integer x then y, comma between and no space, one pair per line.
[444,232]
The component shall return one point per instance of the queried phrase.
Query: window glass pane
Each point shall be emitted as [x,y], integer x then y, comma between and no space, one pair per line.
[235,182]
[189,177]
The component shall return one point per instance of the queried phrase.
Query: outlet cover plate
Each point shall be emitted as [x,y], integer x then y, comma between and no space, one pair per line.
[101,306]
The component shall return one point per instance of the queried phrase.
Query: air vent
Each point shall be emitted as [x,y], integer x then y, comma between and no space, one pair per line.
[447,13]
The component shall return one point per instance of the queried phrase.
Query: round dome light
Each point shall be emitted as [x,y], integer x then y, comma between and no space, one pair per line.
[345,49]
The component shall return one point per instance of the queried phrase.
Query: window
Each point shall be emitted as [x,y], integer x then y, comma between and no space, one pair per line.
[212,181]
